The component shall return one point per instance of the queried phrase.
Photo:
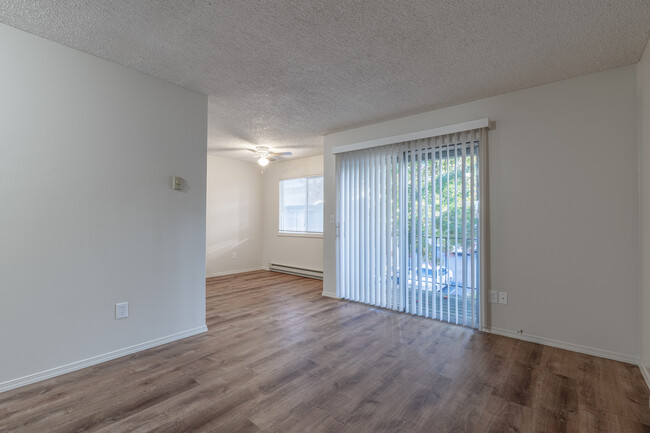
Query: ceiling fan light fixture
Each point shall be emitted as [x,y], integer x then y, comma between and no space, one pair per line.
[263,161]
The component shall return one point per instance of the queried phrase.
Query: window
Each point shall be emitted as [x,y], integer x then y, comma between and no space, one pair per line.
[301,205]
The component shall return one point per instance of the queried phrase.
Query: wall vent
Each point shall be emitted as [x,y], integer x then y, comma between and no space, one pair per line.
[301,272]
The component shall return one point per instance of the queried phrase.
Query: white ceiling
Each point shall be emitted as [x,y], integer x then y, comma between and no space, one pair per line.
[284,73]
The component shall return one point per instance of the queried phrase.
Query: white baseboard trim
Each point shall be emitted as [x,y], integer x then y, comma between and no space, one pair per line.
[78,365]
[645,373]
[236,271]
[330,295]
[567,346]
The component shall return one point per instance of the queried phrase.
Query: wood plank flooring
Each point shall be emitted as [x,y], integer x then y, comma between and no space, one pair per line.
[279,357]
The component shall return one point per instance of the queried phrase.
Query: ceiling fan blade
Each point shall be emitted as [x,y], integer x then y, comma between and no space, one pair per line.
[280,153]
[271,159]
[251,150]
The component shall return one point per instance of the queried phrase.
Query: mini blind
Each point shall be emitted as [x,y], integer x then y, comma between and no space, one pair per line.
[409,226]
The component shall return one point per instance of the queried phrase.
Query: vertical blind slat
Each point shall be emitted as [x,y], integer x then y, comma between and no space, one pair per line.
[478,235]
[418,227]
[442,248]
[411,265]
[455,270]
[387,176]
[364,230]
[371,230]
[382,228]
[428,287]
[470,208]
[395,258]
[357,228]
[377,232]
[434,230]
[464,219]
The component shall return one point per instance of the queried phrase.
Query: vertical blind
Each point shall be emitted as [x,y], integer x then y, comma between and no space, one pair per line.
[408,226]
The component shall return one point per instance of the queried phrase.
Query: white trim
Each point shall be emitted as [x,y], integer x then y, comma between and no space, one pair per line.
[236,271]
[78,365]
[565,345]
[435,132]
[307,176]
[330,295]
[646,374]
[313,235]
[484,230]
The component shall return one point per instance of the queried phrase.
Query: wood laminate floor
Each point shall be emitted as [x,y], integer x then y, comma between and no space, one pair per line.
[279,357]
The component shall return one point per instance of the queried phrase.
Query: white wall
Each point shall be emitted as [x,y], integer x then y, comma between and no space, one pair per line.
[643,82]
[243,213]
[292,251]
[88,217]
[563,211]
[234,216]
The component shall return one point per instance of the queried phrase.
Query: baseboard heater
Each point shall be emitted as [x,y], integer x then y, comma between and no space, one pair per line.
[293,270]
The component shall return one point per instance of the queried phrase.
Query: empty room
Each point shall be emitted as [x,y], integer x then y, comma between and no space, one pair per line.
[343,216]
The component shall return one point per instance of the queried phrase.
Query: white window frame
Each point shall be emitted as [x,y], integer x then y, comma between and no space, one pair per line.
[292,234]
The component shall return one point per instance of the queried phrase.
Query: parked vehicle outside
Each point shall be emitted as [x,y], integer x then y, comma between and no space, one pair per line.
[444,277]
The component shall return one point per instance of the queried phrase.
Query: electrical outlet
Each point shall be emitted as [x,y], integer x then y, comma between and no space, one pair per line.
[493,297]
[332,219]
[121,310]
[234,256]
[503,297]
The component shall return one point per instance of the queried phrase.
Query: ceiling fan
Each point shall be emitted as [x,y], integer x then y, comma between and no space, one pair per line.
[265,155]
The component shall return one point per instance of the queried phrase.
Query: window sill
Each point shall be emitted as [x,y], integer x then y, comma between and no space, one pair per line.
[300,235]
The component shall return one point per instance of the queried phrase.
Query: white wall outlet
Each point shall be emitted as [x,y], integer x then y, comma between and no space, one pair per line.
[493,297]
[503,297]
[121,310]
[234,256]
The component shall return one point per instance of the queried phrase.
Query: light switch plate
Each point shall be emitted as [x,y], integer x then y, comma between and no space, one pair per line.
[494,298]
[177,183]
[503,297]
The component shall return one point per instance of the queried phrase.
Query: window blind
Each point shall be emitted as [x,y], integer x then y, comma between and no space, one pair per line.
[409,231]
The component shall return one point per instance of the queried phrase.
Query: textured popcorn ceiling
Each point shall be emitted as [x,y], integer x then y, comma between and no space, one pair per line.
[283,73]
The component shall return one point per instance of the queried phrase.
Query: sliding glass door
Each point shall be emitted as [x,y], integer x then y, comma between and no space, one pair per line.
[408,227]
[441,205]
